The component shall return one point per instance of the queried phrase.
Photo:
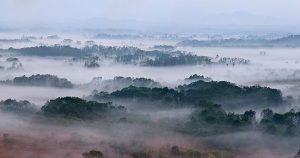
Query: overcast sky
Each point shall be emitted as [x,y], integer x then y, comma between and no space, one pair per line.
[152,12]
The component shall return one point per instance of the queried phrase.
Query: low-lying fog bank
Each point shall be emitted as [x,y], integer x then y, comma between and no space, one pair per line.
[142,134]
[154,101]
[37,95]
[256,71]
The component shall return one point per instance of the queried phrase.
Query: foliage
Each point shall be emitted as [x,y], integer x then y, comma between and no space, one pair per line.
[274,123]
[40,80]
[233,61]
[209,119]
[93,154]
[56,50]
[78,108]
[289,41]
[127,55]
[23,106]
[164,47]
[225,93]
[180,59]
[12,59]
[196,77]
[163,95]
[231,95]
[119,83]
[91,64]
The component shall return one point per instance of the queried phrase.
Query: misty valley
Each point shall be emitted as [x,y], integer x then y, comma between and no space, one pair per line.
[122,95]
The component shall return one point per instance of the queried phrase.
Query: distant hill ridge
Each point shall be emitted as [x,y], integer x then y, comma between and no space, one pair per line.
[288,41]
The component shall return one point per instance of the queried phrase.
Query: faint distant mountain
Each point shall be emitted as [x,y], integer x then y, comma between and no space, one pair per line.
[215,23]
[238,18]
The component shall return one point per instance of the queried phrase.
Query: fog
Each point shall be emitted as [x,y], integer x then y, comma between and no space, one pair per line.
[149,79]
[38,95]
[73,140]
[268,70]
[68,105]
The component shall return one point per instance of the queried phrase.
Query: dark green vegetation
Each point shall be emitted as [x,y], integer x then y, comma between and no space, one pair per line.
[275,123]
[72,107]
[19,107]
[119,83]
[89,61]
[179,59]
[233,61]
[15,64]
[91,64]
[289,41]
[165,96]
[297,155]
[164,47]
[93,154]
[125,55]
[12,59]
[132,55]
[196,77]
[65,107]
[56,50]
[225,93]
[231,95]
[163,152]
[211,119]
[137,82]
[206,118]
[40,80]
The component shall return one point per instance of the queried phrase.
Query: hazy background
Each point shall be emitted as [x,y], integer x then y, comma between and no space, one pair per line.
[153,15]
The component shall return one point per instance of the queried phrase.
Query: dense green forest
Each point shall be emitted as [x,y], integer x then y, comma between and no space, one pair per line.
[39,80]
[73,107]
[225,93]
[211,119]
[120,82]
[125,55]
[206,118]
[18,107]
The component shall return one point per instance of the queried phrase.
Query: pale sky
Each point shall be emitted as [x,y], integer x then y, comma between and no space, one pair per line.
[151,12]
